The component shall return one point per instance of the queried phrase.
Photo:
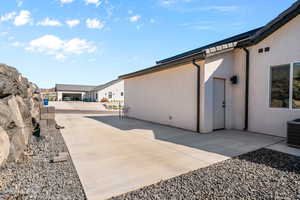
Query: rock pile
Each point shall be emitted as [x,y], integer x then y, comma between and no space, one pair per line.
[20,103]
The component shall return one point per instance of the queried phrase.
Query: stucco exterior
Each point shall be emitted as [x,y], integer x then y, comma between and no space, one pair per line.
[224,66]
[169,96]
[116,89]
[165,97]
[284,49]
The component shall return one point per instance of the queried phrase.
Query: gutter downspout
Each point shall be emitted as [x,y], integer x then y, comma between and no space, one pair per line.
[247,88]
[198,94]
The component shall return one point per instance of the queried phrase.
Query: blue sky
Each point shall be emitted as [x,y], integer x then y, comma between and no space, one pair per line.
[94,41]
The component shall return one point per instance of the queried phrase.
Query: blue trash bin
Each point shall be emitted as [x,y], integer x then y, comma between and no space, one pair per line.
[46,102]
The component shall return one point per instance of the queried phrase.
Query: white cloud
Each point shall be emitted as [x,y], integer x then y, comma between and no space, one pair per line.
[96,2]
[60,57]
[94,23]
[66,1]
[3,33]
[138,27]
[173,2]
[72,23]
[135,18]
[152,21]
[220,8]
[46,43]
[8,16]
[23,18]
[16,44]
[180,5]
[49,22]
[53,45]
[78,46]
[19,3]
[203,25]
[168,2]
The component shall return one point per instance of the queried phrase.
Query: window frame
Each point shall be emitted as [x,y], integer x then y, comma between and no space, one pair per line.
[110,95]
[292,87]
[291,84]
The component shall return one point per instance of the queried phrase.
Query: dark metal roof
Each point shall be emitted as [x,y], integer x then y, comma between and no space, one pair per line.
[235,38]
[101,87]
[73,88]
[274,25]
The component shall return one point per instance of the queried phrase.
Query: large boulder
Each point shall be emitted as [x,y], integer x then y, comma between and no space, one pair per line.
[6,117]
[12,82]
[22,118]
[4,146]
[20,102]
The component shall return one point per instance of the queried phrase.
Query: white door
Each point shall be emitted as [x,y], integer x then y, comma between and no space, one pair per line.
[219,104]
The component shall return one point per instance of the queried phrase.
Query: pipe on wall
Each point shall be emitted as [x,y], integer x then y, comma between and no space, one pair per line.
[198,94]
[247,89]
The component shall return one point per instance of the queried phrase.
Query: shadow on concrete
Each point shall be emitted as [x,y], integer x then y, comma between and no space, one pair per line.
[228,143]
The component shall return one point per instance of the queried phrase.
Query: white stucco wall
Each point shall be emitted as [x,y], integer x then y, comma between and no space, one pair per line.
[239,90]
[285,48]
[165,97]
[116,90]
[157,96]
[224,66]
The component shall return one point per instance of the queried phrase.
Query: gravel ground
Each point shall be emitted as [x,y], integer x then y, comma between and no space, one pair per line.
[36,178]
[263,174]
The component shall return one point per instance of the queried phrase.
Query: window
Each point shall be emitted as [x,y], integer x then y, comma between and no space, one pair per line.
[285,86]
[109,95]
[280,86]
[122,94]
[296,86]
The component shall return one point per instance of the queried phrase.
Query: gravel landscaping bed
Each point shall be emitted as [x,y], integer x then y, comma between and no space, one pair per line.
[36,178]
[262,174]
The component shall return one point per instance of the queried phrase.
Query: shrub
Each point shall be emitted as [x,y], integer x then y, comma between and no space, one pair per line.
[104,100]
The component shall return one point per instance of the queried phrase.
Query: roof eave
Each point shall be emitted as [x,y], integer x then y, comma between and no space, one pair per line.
[164,66]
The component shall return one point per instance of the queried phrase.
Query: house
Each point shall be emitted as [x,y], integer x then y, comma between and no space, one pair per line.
[111,91]
[67,92]
[248,82]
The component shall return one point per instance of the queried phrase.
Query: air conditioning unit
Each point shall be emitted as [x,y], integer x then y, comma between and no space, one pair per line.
[293,133]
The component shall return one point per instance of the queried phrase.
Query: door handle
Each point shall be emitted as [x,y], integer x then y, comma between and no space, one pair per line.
[223,104]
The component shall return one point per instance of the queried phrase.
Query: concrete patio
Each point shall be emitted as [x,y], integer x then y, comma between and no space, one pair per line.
[114,156]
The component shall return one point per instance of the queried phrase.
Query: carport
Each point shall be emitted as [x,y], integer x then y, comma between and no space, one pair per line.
[72,96]
[66,92]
